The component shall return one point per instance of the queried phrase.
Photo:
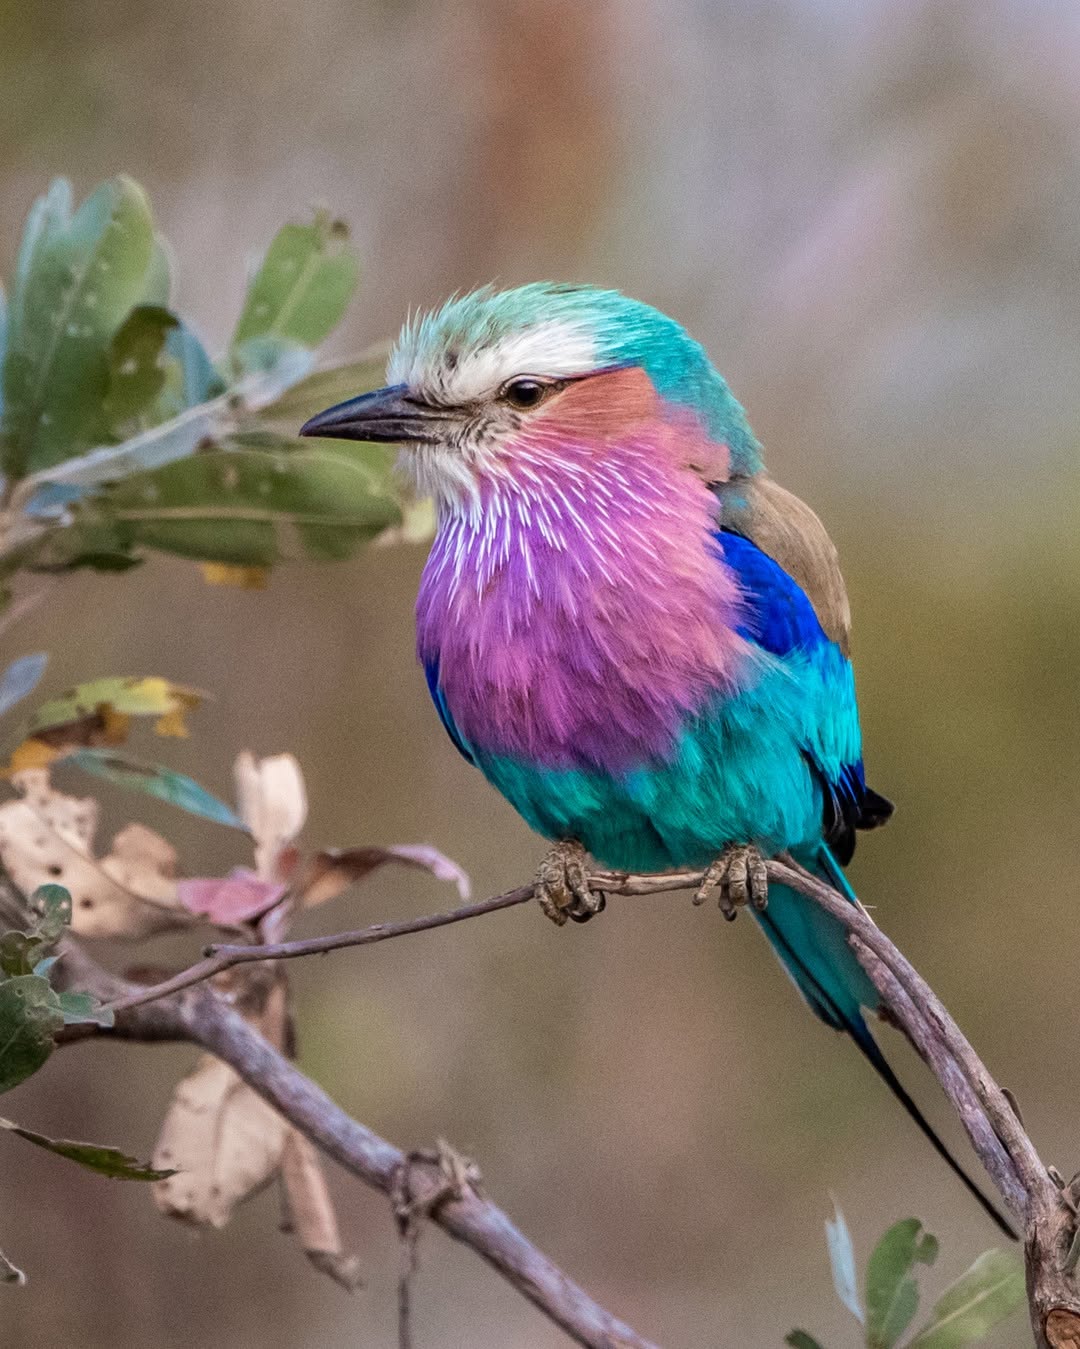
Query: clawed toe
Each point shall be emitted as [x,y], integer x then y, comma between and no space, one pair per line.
[737,877]
[562,885]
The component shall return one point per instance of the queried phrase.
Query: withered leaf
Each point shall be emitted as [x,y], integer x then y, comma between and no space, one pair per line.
[330,872]
[311,1215]
[46,837]
[223,1141]
[272,802]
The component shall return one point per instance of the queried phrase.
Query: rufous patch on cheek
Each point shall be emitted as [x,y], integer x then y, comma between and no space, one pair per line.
[694,448]
[602,407]
[616,406]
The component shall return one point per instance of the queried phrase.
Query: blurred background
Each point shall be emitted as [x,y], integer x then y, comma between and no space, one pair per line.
[869,210]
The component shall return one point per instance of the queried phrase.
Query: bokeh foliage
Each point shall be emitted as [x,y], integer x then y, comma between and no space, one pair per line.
[119,434]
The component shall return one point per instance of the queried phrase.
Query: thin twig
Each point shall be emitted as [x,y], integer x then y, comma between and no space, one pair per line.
[994,1127]
[220,958]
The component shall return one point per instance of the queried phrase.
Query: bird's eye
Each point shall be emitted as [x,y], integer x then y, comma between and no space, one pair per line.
[525,393]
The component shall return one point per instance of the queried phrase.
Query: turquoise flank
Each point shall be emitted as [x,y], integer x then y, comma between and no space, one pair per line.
[739,773]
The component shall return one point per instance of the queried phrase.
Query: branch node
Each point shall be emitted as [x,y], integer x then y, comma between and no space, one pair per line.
[458,1175]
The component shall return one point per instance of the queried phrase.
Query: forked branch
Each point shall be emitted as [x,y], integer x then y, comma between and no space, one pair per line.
[182,1007]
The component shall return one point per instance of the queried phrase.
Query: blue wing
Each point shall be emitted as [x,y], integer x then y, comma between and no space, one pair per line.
[431,671]
[780,618]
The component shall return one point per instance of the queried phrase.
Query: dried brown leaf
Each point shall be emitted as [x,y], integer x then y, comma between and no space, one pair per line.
[332,871]
[47,837]
[224,1141]
[272,802]
[310,1213]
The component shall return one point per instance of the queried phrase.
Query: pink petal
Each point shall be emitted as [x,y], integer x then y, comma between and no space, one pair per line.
[229,900]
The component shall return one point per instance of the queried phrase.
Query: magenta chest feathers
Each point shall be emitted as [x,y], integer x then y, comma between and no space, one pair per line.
[577,621]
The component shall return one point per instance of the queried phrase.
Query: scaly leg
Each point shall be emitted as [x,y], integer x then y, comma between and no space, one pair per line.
[740,877]
[562,885]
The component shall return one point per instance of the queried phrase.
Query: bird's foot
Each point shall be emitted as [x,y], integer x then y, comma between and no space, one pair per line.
[738,876]
[562,885]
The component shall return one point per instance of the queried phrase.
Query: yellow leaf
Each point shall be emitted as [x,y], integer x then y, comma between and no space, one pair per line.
[31,753]
[229,574]
[172,724]
[115,725]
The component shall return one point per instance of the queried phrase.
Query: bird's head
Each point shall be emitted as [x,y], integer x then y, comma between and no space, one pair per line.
[498,381]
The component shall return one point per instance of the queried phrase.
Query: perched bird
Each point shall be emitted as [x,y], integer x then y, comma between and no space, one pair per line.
[634,632]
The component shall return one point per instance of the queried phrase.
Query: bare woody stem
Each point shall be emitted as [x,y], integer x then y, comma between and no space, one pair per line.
[202,1017]
[1025,1184]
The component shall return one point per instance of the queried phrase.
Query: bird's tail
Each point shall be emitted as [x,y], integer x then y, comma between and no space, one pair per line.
[813,949]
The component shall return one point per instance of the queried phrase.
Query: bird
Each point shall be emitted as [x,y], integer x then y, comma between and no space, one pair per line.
[637,635]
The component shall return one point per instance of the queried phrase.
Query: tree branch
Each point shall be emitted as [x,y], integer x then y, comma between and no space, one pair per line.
[1046,1209]
[202,1017]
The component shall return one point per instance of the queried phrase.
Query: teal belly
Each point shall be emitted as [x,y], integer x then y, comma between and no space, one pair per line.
[737,774]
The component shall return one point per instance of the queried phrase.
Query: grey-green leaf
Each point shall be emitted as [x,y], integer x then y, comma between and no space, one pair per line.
[991,1290]
[157,284]
[176,788]
[190,377]
[842,1261]
[323,389]
[51,908]
[892,1297]
[106,1161]
[82,1009]
[303,286]
[30,1016]
[137,367]
[80,277]
[799,1339]
[253,506]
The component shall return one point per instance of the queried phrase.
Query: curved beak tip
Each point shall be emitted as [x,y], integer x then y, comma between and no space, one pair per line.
[383,415]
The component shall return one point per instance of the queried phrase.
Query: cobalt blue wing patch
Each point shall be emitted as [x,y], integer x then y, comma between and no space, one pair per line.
[779,616]
[431,671]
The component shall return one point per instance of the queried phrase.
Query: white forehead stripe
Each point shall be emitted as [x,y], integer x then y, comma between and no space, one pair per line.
[556,348]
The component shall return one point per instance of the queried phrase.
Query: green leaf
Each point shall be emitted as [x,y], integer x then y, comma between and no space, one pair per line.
[10,1273]
[253,507]
[799,1339]
[51,908]
[150,449]
[48,216]
[842,1261]
[278,361]
[303,286]
[137,366]
[157,284]
[21,953]
[155,780]
[190,377]
[991,1290]
[20,678]
[78,278]
[130,695]
[30,1016]
[106,1161]
[83,1009]
[323,389]
[892,1297]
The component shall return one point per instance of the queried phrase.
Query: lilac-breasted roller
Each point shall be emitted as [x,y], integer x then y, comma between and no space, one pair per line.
[634,632]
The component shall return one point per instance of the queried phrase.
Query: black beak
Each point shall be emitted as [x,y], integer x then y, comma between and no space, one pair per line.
[386,414]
